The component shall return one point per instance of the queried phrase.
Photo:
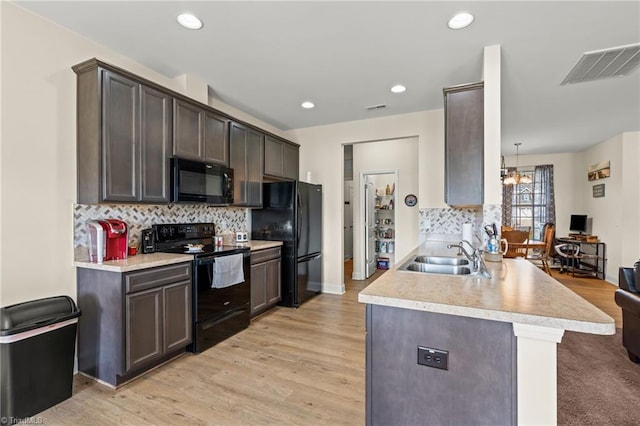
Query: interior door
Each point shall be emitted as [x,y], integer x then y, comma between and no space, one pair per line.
[370,226]
[348,220]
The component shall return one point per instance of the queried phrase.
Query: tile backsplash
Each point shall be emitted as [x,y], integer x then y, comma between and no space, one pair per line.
[446,223]
[142,216]
[446,220]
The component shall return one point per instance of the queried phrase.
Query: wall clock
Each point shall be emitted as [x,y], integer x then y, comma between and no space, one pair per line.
[410,200]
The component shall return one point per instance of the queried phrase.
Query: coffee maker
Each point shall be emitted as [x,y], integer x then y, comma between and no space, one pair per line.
[97,242]
[108,240]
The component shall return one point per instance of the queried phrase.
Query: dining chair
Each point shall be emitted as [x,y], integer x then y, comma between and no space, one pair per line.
[515,241]
[541,258]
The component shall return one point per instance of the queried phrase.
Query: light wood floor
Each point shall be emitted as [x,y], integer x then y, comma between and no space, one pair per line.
[301,366]
[598,292]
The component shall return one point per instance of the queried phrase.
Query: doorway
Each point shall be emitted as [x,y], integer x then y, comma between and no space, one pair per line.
[347,224]
[348,220]
[378,219]
[398,158]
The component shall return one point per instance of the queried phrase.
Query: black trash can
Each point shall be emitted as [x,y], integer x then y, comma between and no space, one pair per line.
[37,346]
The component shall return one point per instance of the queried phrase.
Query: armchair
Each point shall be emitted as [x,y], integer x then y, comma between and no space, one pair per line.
[628,298]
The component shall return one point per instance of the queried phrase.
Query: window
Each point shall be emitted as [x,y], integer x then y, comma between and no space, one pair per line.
[530,205]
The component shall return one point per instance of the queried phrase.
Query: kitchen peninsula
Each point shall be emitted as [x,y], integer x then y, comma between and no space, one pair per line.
[495,337]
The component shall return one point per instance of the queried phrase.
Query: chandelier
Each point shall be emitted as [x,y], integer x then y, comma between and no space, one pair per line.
[515,178]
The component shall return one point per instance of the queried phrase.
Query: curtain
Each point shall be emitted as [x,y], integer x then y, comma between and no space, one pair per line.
[507,200]
[546,204]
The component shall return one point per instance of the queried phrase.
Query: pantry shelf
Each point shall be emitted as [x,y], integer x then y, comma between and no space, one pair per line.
[385,230]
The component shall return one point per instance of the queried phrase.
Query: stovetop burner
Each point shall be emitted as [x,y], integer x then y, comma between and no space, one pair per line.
[174,238]
[208,249]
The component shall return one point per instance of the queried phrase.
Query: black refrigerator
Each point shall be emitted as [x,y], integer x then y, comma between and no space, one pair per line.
[292,213]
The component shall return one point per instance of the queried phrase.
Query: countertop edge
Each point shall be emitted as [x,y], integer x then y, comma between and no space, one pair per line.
[257,245]
[152,260]
[120,266]
[492,315]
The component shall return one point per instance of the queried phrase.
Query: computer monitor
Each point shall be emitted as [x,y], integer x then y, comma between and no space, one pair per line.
[578,223]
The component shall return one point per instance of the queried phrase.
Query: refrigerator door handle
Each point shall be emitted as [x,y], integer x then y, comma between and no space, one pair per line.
[309,258]
[299,218]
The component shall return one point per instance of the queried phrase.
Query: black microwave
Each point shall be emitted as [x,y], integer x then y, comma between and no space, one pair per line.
[195,181]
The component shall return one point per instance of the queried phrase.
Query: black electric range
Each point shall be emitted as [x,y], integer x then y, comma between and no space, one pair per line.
[217,313]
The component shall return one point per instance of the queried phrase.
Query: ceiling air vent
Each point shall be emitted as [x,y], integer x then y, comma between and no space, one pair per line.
[375,107]
[599,64]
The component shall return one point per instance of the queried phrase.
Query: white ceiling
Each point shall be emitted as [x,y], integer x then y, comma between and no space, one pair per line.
[265,58]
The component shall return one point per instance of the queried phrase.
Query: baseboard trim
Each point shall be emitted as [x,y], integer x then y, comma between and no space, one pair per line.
[331,288]
[358,276]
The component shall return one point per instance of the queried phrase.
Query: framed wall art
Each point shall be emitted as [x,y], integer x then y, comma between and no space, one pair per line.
[598,190]
[599,171]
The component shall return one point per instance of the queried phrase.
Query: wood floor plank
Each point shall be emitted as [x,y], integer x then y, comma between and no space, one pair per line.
[598,292]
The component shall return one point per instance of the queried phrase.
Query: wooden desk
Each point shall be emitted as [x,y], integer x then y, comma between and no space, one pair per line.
[591,259]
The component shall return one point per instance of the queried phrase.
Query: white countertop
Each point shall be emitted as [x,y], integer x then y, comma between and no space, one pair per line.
[134,263]
[517,292]
[151,260]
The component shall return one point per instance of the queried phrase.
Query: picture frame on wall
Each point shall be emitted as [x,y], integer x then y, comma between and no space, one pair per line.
[599,171]
[598,190]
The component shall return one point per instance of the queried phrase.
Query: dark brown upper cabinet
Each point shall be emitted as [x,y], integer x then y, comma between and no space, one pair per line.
[280,159]
[129,127]
[246,146]
[124,138]
[199,134]
[464,145]
[155,144]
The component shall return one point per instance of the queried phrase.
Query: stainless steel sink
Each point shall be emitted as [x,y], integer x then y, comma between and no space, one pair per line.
[441,260]
[436,269]
[444,265]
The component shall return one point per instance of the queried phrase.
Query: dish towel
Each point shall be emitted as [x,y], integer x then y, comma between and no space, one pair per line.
[227,271]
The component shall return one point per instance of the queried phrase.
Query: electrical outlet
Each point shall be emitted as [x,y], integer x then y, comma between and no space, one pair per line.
[436,358]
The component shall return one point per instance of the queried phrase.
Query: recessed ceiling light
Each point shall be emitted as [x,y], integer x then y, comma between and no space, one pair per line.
[190,21]
[460,20]
[398,88]
[307,105]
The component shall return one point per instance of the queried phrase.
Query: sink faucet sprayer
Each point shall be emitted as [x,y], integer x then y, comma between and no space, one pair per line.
[475,257]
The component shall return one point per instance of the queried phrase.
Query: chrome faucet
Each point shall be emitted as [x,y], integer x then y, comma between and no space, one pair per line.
[475,257]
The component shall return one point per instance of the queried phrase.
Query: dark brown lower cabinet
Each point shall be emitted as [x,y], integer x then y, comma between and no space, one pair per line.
[143,331]
[132,321]
[158,322]
[265,280]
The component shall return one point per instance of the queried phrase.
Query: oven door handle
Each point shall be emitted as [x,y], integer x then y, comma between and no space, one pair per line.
[206,261]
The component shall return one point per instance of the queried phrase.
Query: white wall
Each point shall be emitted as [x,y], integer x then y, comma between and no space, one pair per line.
[38,149]
[399,155]
[492,75]
[568,199]
[321,152]
[630,245]
[615,218]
